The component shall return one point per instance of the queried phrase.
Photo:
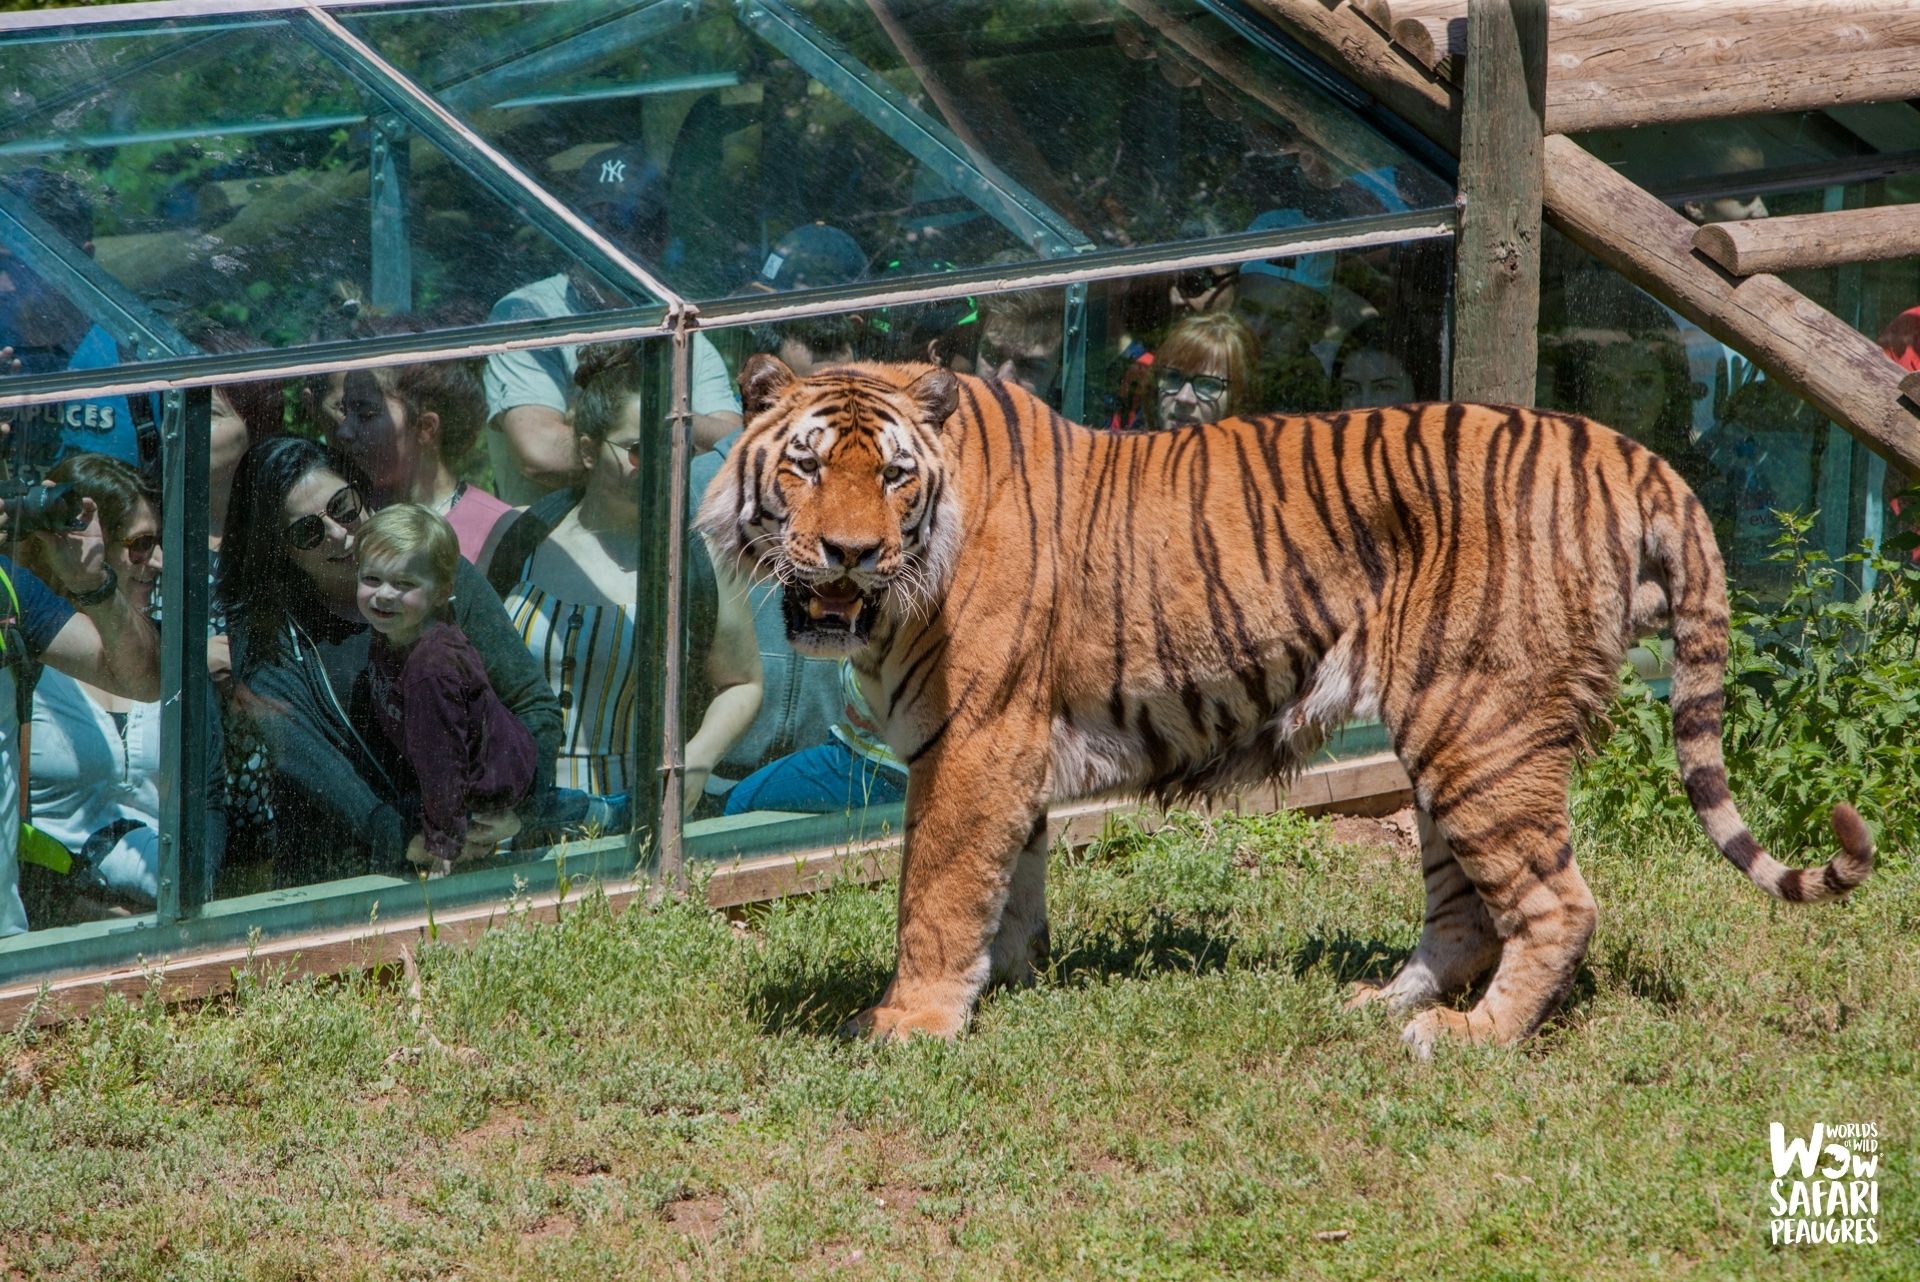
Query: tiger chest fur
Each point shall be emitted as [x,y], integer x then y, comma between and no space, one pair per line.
[1040,610]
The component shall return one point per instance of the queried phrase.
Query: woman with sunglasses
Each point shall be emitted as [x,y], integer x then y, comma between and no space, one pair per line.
[94,762]
[345,803]
[1204,370]
[568,570]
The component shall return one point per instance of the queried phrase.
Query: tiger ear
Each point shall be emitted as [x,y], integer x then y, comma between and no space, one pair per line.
[762,379]
[937,393]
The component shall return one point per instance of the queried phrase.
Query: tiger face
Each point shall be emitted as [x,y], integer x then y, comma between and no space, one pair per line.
[837,491]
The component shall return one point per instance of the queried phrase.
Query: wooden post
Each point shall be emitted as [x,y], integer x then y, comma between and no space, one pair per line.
[1497,256]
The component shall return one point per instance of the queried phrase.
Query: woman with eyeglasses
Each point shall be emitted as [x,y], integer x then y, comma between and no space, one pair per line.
[345,802]
[568,570]
[1204,370]
[94,760]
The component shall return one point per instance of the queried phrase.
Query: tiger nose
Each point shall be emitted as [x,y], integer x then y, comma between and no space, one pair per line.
[850,556]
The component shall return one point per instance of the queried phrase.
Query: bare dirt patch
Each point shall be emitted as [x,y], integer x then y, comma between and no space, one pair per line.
[697,1217]
[496,1126]
[1397,831]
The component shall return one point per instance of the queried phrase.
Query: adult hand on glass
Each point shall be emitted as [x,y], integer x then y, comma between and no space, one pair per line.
[693,786]
[220,664]
[486,831]
[420,857]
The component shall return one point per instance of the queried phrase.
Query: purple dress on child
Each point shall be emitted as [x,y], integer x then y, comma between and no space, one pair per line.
[469,752]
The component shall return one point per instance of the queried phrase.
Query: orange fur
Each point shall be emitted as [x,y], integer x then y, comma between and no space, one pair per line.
[1066,611]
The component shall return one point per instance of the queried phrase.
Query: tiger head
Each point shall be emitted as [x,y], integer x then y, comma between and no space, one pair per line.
[838,490]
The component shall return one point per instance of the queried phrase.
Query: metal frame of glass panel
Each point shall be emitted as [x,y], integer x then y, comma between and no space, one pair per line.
[183,919]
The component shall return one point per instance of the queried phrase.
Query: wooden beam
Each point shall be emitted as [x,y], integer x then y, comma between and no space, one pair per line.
[1910,386]
[1376,12]
[1834,367]
[1438,44]
[1497,258]
[1686,88]
[1342,37]
[1798,241]
[1617,63]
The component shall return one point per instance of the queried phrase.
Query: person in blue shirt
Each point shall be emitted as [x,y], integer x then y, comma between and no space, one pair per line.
[43,331]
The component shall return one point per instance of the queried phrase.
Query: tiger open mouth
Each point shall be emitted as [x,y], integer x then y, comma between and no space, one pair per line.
[834,614]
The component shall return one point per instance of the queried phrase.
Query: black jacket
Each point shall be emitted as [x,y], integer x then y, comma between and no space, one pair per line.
[345,801]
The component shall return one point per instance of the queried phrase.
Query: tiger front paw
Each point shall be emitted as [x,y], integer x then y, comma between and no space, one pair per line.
[897,1023]
[1430,1027]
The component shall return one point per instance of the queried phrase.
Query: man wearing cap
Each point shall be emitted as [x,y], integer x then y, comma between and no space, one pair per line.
[621,192]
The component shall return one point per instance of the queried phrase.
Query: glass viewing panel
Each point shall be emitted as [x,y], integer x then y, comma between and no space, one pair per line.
[81,668]
[800,761]
[401,732]
[419,693]
[762,148]
[1745,444]
[233,177]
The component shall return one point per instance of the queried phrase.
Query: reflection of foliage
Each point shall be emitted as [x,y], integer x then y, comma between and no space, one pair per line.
[1111,117]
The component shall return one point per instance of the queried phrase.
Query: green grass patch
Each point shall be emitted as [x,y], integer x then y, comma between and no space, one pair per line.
[656,1093]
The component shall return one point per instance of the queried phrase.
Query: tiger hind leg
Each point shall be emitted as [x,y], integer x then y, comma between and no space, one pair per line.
[1512,843]
[1458,941]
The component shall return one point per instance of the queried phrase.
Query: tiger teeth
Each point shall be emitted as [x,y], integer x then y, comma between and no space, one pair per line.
[854,612]
[814,608]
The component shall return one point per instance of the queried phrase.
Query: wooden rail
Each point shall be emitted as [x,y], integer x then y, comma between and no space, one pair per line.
[1797,241]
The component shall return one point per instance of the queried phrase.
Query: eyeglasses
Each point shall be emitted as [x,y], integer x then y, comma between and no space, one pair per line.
[309,532]
[630,448]
[1201,281]
[140,547]
[1205,386]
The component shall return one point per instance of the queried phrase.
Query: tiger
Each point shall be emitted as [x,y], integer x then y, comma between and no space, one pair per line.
[1038,611]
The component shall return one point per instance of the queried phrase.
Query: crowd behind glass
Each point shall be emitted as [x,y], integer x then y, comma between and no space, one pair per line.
[424,580]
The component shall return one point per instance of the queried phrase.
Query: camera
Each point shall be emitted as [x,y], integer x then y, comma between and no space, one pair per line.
[40,509]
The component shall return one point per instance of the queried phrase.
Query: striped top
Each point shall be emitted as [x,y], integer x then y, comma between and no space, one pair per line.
[587,653]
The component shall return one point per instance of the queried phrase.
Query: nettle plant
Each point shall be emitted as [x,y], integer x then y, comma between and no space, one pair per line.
[1823,695]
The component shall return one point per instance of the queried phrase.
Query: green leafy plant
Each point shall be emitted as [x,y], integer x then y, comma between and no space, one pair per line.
[1823,687]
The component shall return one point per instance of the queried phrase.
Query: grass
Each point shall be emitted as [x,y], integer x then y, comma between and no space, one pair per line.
[655,1094]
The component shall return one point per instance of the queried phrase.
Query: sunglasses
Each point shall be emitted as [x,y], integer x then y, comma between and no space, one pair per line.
[631,449]
[1205,386]
[1200,281]
[140,547]
[309,532]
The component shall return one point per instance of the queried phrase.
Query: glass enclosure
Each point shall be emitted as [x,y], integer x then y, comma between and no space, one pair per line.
[348,335]
[361,343]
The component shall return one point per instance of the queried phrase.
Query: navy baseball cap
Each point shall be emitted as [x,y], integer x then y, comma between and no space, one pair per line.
[811,256]
[620,188]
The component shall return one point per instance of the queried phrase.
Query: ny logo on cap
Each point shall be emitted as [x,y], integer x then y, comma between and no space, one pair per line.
[613,171]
